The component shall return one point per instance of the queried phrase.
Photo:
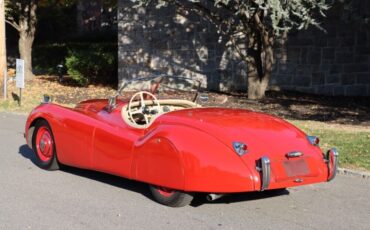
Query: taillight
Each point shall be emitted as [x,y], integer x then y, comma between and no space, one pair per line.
[240,148]
[313,140]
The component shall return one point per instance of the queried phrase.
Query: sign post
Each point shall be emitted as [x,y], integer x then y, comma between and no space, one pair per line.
[20,78]
[5,83]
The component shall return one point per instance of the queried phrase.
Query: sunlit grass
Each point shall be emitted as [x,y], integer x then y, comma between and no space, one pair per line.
[352,143]
[27,104]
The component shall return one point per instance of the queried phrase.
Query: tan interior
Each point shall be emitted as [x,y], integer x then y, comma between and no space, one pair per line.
[166,105]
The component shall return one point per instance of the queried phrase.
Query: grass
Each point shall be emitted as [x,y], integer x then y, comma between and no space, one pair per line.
[28,103]
[352,143]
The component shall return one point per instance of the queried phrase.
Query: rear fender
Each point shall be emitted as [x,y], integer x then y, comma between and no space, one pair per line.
[157,161]
[186,158]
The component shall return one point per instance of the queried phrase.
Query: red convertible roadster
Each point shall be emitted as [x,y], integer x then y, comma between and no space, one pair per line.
[177,147]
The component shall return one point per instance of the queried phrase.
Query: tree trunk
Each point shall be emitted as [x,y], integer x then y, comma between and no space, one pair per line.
[259,73]
[27,29]
[2,45]
[25,51]
[256,86]
[260,68]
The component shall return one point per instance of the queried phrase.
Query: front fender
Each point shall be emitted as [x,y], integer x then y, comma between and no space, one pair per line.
[72,133]
[189,159]
[40,112]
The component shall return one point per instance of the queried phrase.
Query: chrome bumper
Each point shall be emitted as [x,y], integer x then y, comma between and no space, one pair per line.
[265,168]
[265,171]
[332,162]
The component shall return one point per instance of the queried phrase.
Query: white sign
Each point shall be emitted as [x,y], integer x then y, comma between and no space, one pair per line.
[19,74]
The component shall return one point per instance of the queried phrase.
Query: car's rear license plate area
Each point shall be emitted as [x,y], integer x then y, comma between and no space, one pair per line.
[297,167]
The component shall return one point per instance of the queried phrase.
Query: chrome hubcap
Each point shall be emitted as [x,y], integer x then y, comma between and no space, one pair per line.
[42,145]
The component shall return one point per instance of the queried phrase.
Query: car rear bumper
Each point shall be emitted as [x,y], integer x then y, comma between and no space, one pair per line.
[264,168]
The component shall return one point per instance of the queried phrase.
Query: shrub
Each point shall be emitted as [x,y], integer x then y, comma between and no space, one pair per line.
[45,58]
[85,62]
[94,64]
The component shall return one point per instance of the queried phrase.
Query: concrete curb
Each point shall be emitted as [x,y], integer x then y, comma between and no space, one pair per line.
[343,171]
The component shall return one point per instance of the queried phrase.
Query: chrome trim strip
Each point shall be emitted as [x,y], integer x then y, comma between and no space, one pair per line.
[294,154]
[332,154]
[266,173]
[298,180]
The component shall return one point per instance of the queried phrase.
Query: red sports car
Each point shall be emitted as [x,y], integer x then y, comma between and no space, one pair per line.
[177,147]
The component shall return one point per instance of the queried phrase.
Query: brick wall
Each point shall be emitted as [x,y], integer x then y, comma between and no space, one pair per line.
[162,41]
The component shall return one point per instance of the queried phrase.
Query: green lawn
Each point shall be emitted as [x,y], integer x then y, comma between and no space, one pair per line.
[352,143]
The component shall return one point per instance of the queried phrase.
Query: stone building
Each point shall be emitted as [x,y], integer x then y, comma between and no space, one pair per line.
[161,41]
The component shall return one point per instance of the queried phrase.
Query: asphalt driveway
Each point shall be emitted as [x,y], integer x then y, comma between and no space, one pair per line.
[31,198]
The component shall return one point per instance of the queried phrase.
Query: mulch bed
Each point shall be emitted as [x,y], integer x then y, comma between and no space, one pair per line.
[300,106]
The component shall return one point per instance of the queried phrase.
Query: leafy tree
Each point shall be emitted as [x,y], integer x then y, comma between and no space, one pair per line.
[251,26]
[22,15]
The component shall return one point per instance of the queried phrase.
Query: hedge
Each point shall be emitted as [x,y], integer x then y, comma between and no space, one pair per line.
[85,62]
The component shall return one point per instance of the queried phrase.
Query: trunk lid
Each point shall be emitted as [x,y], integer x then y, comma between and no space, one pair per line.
[265,135]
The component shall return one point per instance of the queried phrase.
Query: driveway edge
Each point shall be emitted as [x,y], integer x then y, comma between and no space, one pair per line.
[351,172]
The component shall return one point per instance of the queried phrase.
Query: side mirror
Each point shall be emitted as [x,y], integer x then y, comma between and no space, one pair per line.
[46,99]
[203,97]
[112,103]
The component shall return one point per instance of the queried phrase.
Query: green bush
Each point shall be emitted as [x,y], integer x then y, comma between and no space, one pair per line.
[97,64]
[86,63]
[45,58]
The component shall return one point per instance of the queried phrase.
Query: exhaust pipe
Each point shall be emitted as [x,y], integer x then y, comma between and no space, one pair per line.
[212,196]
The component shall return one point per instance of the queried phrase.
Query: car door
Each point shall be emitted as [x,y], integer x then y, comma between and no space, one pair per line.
[113,144]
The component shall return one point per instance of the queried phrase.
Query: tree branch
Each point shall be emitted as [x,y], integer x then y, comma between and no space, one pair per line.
[259,24]
[13,24]
[198,9]
[243,56]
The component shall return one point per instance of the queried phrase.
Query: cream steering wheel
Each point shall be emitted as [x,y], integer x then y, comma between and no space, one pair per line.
[141,107]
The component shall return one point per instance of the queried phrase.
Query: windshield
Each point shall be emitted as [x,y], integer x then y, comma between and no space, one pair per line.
[164,87]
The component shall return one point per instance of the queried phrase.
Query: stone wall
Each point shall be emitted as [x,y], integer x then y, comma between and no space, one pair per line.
[161,41]
[333,63]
